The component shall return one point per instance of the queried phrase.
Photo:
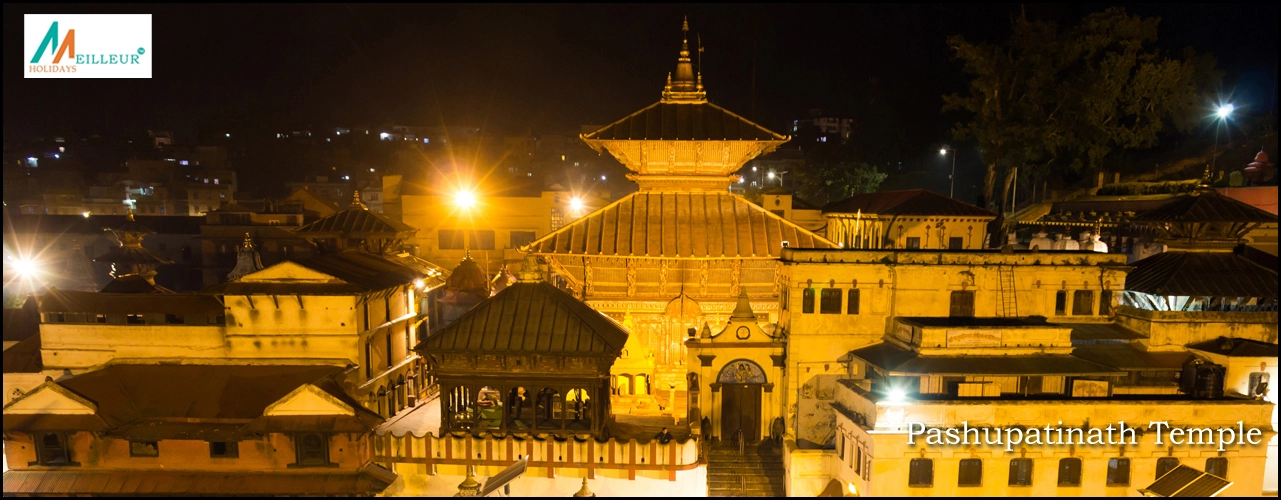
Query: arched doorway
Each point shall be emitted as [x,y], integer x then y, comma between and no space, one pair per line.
[742,382]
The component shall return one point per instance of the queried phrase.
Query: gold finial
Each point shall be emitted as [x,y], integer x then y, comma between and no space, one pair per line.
[685,25]
[129,216]
[355,200]
[1205,178]
[249,242]
[584,492]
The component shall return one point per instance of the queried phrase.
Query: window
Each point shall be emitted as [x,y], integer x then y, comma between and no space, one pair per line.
[51,449]
[840,447]
[777,212]
[387,355]
[956,243]
[851,304]
[522,238]
[970,472]
[224,449]
[134,319]
[313,449]
[450,239]
[1258,383]
[1060,303]
[830,301]
[913,242]
[858,459]
[1217,466]
[1105,302]
[366,315]
[144,449]
[220,319]
[1070,472]
[807,301]
[1021,472]
[1118,472]
[962,303]
[1083,303]
[1165,465]
[369,360]
[921,472]
[173,319]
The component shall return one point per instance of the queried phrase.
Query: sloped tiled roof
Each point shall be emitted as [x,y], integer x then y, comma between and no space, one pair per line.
[356,221]
[128,393]
[1208,206]
[693,121]
[132,255]
[678,224]
[360,272]
[906,202]
[1217,274]
[532,318]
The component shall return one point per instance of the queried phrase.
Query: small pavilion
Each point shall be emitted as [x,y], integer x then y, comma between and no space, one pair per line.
[531,358]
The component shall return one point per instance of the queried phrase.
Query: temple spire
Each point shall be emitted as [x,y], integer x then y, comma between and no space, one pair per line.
[685,85]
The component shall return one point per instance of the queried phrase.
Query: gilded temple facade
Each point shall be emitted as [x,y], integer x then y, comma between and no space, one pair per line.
[676,254]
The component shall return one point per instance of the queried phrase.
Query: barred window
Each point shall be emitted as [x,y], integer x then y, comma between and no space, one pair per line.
[1070,472]
[970,472]
[921,472]
[1021,472]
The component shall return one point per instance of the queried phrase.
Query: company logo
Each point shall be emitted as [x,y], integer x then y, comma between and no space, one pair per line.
[113,46]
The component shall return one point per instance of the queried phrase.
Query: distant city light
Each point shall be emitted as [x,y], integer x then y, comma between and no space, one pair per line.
[1225,110]
[465,199]
[371,170]
[55,155]
[576,203]
[86,214]
[602,177]
[753,169]
[228,136]
[384,136]
[943,151]
[346,177]
[770,175]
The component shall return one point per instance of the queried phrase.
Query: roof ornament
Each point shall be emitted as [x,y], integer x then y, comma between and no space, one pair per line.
[247,260]
[529,270]
[743,310]
[355,200]
[684,86]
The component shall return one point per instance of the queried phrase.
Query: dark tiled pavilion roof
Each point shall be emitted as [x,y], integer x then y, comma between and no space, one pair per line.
[1208,206]
[356,221]
[1217,274]
[907,202]
[683,121]
[530,318]
[678,224]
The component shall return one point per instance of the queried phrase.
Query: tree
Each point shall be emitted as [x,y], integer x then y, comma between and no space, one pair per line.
[1061,103]
[823,182]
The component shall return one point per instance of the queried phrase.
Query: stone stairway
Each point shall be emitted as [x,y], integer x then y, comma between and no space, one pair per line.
[758,472]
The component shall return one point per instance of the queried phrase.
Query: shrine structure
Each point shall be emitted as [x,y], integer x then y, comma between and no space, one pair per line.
[677,253]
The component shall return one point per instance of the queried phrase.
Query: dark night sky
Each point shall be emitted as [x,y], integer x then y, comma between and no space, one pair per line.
[541,69]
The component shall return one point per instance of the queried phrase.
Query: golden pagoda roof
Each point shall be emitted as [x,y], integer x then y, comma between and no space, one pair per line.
[676,224]
[683,121]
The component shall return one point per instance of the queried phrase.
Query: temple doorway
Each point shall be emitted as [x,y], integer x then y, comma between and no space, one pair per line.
[741,384]
[741,411]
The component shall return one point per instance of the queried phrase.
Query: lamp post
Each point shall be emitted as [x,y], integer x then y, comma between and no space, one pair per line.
[1222,113]
[951,192]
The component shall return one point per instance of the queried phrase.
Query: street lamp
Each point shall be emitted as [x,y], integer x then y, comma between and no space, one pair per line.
[464,199]
[1223,112]
[951,192]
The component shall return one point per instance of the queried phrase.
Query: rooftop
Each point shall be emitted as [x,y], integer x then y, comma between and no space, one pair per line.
[530,317]
[1216,274]
[1206,206]
[678,224]
[683,121]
